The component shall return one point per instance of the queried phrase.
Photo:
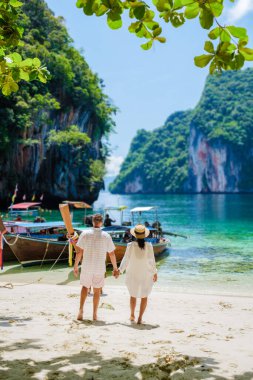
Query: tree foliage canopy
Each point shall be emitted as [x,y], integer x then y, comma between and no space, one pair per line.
[225,49]
[13,68]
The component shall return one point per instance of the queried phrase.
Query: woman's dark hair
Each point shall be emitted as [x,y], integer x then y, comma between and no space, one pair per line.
[141,243]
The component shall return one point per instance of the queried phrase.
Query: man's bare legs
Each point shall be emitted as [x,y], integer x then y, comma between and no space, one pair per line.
[96,298]
[132,308]
[83,296]
[143,306]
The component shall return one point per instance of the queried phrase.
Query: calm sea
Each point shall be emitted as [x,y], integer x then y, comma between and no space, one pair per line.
[218,253]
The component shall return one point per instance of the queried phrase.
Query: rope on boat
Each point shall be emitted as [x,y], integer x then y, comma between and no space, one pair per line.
[45,254]
[10,285]
[11,244]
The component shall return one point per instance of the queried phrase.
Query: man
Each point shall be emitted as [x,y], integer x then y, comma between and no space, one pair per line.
[108,221]
[92,247]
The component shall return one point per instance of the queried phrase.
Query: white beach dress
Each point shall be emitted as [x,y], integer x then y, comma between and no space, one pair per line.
[140,268]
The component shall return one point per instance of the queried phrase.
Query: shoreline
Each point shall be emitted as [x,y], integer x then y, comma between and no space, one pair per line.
[198,337]
[16,274]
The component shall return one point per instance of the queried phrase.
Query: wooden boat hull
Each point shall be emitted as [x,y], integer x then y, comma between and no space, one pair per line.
[121,249]
[28,250]
[8,255]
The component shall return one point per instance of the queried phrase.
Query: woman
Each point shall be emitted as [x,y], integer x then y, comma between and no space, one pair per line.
[141,272]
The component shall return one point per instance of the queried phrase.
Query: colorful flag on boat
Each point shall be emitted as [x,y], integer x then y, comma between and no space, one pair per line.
[33,197]
[24,197]
[41,197]
[15,194]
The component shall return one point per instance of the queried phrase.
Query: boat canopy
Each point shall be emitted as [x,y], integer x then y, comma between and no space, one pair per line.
[42,225]
[77,204]
[113,208]
[24,205]
[141,209]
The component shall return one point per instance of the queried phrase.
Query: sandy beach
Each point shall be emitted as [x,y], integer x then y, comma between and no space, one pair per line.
[185,336]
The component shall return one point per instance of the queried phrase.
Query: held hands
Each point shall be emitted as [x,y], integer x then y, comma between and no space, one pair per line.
[155,277]
[76,271]
[116,273]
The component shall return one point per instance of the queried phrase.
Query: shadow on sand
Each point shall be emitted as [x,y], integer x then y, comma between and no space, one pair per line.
[91,365]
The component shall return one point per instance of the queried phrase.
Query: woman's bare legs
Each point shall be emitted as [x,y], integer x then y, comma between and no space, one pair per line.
[83,296]
[143,306]
[132,308]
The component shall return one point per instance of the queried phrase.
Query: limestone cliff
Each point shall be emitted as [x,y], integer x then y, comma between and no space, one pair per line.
[206,150]
[72,165]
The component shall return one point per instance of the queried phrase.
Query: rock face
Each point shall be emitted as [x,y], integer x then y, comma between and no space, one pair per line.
[57,172]
[206,150]
[213,167]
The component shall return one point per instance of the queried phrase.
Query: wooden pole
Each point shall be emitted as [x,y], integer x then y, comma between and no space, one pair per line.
[65,213]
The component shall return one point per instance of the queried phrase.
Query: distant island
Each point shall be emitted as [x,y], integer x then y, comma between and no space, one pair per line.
[51,134]
[205,150]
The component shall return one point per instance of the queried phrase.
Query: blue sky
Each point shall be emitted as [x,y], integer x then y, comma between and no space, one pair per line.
[146,86]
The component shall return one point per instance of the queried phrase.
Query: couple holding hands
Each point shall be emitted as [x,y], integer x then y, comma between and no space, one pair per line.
[138,261]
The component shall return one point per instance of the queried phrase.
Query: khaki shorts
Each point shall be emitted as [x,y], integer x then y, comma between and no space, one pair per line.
[94,280]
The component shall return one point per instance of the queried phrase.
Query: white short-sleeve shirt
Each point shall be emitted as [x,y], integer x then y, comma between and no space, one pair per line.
[95,243]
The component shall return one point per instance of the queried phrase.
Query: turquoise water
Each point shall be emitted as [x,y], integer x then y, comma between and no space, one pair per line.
[218,254]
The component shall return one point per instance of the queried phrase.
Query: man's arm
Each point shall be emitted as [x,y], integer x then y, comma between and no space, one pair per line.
[79,255]
[114,263]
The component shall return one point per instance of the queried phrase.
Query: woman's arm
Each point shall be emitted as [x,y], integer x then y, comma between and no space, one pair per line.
[125,261]
[152,262]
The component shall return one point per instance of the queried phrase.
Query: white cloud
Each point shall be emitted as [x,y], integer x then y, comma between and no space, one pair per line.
[113,165]
[239,9]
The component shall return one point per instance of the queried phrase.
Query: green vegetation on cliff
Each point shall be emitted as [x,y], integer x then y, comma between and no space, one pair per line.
[225,110]
[48,108]
[160,160]
[160,157]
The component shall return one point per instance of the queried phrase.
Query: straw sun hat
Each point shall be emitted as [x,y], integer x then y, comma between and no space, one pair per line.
[139,231]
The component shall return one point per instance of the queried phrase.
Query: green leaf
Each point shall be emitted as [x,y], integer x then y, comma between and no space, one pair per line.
[16,57]
[246,53]
[15,3]
[239,61]
[192,11]
[243,42]
[161,39]
[36,62]
[24,75]
[186,2]
[162,5]
[42,78]
[88,8]
[209,47]
[139,12]
[152,25]
[80,3]
[27,62]
[225,36]
[101,10]
[177,19]
[134,26]
[216,8]
[147,45]
[237,32]
[157,32]
[203,60]
[214,33]
[206,18]
[114,20]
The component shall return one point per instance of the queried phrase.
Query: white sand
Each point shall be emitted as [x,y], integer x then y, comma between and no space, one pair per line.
[187,336]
